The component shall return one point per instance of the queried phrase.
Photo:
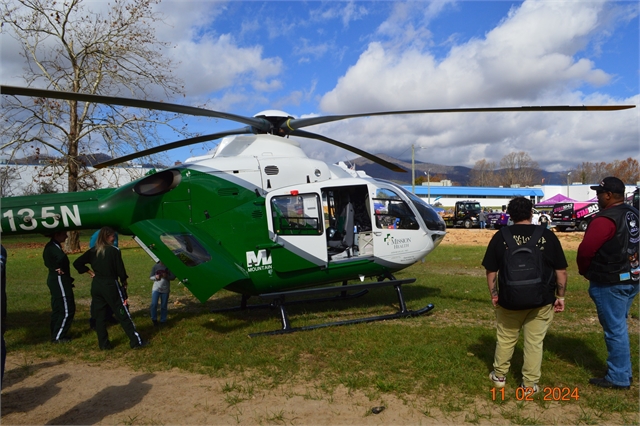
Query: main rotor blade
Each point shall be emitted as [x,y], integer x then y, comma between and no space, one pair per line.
[298,123]
[258,123]
[174,145]
[353,149]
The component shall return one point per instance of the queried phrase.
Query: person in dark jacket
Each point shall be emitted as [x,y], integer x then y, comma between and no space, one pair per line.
[106,268]
[60,283]
[608,258]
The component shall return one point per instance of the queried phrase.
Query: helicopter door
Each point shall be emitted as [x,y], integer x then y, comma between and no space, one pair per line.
[396,239]
[297,225]
[348,221]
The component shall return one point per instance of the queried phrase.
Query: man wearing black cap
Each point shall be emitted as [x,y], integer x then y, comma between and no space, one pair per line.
[608,258]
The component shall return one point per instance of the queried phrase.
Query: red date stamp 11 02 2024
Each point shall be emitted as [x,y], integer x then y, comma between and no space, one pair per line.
[548,394]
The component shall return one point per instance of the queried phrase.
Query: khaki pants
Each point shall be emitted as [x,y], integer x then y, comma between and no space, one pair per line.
[534,324]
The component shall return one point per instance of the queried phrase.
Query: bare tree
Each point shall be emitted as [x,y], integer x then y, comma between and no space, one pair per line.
[584,173]
[70,47]
[7,179]
[519,168]
[483,174]
[626,170]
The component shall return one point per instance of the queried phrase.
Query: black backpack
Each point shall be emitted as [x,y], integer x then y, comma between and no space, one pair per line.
[521,281]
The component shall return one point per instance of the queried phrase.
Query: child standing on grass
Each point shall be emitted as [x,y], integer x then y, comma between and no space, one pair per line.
[161,278]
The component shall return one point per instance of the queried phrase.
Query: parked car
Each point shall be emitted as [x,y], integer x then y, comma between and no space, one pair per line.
[573,215]
[464,214]
[500,219]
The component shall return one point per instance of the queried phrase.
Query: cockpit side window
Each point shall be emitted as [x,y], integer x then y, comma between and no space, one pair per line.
[299,214]
[392,212]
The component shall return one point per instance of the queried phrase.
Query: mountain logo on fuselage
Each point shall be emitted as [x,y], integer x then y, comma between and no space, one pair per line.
[260,261]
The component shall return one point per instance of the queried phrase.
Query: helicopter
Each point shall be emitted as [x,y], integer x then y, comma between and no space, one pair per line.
[256,216]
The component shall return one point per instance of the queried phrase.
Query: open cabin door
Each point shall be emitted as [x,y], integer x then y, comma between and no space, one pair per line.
[347,212]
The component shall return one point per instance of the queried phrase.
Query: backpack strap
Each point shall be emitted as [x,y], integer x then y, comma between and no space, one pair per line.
[508,238]
[537,233]
[511,242]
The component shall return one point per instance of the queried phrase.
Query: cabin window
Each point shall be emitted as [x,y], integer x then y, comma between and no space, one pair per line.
[392,212]
[186,248]
[299,214]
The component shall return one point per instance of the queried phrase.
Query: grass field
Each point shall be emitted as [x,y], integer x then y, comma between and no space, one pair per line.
[451,348]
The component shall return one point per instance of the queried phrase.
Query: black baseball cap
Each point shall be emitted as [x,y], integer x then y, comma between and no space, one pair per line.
[610,184]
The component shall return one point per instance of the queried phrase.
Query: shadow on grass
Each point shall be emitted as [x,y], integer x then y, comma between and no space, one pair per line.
[484,349]
[571,349]
[32,327]
[379,301]
[576,352]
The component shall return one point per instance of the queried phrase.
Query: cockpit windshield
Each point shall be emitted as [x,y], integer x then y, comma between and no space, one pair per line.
[431,218]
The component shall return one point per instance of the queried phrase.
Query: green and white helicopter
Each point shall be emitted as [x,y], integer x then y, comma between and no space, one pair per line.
[256,216]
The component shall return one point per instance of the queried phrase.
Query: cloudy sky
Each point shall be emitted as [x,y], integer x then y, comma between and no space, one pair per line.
[316,58]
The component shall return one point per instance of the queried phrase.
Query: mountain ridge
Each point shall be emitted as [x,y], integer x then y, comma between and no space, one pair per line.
[459,175]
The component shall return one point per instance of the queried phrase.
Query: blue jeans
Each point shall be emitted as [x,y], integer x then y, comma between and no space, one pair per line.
[613,302]
[164,299]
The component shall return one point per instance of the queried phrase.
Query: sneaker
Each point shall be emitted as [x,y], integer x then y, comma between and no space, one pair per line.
[534,387]
[604,383]
[498,382]
[62,340]
[141,345]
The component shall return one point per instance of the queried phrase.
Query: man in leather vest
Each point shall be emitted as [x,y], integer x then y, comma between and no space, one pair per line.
[608,258]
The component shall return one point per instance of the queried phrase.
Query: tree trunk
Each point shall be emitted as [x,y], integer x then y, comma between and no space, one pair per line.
[73,242]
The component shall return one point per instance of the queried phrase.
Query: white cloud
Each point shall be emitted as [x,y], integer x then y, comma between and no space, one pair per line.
[212,63]
[346,12]
[533,57]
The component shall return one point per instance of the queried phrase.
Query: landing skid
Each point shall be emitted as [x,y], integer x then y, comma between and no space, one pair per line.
[278,301]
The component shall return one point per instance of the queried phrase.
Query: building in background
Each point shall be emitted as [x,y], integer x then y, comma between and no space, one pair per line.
[498,196]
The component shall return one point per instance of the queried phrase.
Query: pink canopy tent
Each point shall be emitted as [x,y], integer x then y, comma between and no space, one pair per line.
[558,198]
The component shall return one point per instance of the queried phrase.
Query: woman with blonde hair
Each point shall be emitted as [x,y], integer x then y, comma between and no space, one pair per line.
[106,268]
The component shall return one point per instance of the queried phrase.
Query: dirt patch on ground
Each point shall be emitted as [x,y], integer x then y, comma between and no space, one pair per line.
[481,237]
[72,393]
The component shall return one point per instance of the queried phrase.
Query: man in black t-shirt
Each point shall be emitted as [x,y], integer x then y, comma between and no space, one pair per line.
[533,322]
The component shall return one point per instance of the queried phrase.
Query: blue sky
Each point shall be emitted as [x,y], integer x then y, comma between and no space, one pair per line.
[316,58]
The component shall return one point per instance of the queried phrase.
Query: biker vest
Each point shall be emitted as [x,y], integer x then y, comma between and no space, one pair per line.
[617,259]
